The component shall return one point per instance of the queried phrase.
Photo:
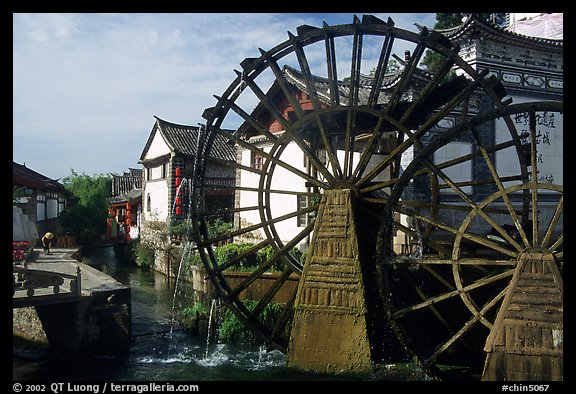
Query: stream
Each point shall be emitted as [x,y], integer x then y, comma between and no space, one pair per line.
[161,350]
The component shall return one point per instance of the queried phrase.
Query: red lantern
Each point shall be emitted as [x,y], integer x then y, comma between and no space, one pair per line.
[128,221]
[178,181]
[178,171]
[178,210]
[178,201]
[127,214]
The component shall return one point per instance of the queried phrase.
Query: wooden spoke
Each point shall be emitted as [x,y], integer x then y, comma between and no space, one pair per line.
[248,229]
[271,158]
[267,297]
[356,64]
[453,293]
[249,119]
[425,127]
[281,79]
[553,222]
[383,60]
[332,68]
[280,253]
[466,327]
[534,177]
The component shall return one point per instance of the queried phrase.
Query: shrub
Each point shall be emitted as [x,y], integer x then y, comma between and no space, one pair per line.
[218,227]
[266,254]
[233,330]
[227,252]
[190,316]
[144,254]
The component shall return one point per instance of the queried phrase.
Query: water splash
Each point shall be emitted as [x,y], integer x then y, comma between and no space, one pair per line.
[419,249]
[210,335]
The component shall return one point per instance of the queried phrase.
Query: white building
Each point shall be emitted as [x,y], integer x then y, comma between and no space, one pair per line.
[170,147]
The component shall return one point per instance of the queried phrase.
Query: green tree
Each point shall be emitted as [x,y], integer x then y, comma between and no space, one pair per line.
[433,60]
[17,193]
[87,210]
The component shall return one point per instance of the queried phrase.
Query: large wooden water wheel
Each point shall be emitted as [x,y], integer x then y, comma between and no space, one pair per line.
[344,177]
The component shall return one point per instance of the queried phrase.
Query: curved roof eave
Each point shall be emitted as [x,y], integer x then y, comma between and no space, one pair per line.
[473,26]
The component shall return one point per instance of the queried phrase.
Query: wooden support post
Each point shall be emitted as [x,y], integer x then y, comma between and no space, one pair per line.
[329,332]
[526,341]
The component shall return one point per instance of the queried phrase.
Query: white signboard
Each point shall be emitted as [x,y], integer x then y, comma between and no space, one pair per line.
[549,146]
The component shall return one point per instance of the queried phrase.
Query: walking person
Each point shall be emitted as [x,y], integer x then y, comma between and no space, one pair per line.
[47,241]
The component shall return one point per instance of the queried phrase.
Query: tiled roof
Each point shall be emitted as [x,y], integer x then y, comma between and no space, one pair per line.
[365,84]
[472,26]
[24,176]
[419,79]
[132,196]
[124,183]
[183,140]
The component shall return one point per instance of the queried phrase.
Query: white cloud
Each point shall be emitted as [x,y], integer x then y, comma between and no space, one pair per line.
[90,84]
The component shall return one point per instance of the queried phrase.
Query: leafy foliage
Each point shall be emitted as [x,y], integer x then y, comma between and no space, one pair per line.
[143,254]
[233,330]
[218,227]
[87,211]
[230,251]
[250,262]
[17,193]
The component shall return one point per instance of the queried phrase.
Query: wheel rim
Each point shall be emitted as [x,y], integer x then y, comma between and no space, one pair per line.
[472,279]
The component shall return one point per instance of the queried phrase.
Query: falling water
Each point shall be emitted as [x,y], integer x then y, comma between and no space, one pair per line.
[261,353]
[211,317]
[418,251]
[176,285]
[185,252]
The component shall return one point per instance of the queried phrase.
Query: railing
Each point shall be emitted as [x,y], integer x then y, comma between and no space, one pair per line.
[43,286]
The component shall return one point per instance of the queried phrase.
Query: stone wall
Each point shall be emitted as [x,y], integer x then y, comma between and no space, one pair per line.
[27,325]
[22,228]
[98,325]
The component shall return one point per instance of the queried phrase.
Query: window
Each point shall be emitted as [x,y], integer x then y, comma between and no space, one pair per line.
[302,218]
[256,161]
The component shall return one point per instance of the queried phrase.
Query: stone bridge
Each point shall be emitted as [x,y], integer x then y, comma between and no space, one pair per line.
[60,301]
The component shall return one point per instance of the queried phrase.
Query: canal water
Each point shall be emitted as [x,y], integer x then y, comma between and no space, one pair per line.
[161,350]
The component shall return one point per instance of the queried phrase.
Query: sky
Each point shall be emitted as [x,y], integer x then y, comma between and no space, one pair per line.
[87,86]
